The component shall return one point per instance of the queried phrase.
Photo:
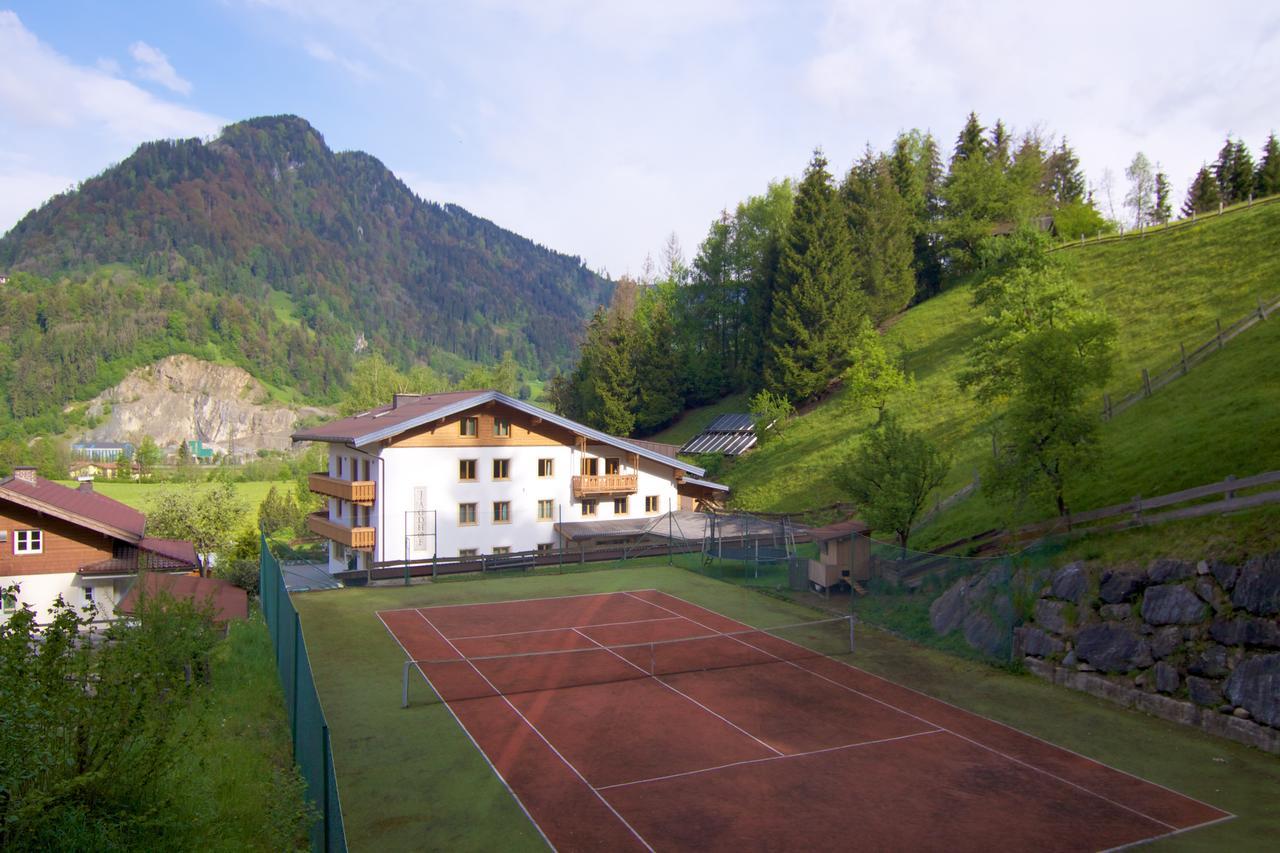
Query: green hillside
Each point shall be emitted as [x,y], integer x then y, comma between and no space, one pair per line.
[1162,290]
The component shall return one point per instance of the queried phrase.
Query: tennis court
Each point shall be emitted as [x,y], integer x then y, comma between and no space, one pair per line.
[637,720]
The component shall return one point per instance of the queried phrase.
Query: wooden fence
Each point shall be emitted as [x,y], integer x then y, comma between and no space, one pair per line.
[1188,360]
[1138,512]
[1176,225]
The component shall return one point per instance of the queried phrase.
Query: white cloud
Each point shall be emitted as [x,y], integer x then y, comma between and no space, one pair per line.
[324,53]
[59,118]
[153,65]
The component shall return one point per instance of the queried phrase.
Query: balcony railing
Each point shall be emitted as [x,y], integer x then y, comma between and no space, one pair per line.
[356,491]
[604,485]
[360,538]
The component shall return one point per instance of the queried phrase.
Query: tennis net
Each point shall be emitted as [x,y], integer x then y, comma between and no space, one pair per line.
[583,661]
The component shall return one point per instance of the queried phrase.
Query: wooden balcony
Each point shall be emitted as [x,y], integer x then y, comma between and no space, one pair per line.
[357,491]
[360,538]
[605,485]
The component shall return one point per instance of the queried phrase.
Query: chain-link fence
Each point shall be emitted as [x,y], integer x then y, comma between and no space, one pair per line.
[312,751]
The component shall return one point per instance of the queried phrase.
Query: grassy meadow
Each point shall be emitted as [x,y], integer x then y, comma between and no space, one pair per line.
[142,496]
[1163,290]
[411,778]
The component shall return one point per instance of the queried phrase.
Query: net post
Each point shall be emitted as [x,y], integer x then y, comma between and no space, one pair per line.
[851,621]
[404,688]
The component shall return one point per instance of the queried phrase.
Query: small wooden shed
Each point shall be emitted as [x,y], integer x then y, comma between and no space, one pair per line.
[844,554]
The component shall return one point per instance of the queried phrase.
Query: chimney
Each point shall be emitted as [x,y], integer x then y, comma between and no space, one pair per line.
[25,473]
[86,484]
[397,399]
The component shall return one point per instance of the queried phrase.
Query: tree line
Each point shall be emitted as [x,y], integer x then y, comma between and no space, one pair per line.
[779,289]
[1233,177]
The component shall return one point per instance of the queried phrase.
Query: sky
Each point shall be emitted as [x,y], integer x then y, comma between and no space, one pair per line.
[599,129]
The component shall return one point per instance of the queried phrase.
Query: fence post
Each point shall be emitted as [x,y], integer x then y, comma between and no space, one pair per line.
[1231,493]
[1146,381]
[1106,405]
[1219,322]
[1262,312]
[1137,510]
[1183,348]
[293,712]
[327,753]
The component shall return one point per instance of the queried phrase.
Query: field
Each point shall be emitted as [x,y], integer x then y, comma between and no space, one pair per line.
[142,495]
[412,778]
[1162,290]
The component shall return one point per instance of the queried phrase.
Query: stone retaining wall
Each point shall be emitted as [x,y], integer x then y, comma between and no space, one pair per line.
[1198,643]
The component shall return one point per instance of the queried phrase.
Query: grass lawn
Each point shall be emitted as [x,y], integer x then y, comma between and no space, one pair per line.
[1162,290]
[141,496]
[239,789]
[696,420]
[412,779]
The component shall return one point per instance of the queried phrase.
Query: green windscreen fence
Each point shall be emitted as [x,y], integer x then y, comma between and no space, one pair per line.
[310,732]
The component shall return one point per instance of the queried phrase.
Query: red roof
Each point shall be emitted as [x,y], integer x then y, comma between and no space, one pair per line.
[229,601]
[375,420]
[75,505]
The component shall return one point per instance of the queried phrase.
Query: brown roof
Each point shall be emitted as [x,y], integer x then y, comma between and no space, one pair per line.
[229,601]
[375,420]
[79,506]
[839,530]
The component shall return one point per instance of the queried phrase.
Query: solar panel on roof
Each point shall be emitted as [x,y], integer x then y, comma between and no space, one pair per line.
[733,422]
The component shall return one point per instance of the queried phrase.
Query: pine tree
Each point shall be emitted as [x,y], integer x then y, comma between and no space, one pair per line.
[1267,180]
[916,167]
[1233,172]
[1162,211]
[970,143]
[815,305]
[998,153]
[1203,195]
[1066,181]
[881,235]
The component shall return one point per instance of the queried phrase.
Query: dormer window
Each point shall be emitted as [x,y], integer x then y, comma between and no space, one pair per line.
[501,428]
[470,426]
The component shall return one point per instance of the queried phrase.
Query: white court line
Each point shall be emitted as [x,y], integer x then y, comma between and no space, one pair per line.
[543,737]
[679,692]
[569,628]
[993,750]
[768,759]
[973,714]
[467,732]
[526,600]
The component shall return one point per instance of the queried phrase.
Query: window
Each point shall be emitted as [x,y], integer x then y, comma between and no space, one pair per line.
[502,469]
[501,429]
[613,465]
[619,506]
[546,467]
[546,510]
[589,507]
[28,542]
[469,426]
[341,460]
[466,513]
[501,512]
[502,549]
[467,552]
[88,594]
[590,466]
[546,547]
[466,469]
[651,503]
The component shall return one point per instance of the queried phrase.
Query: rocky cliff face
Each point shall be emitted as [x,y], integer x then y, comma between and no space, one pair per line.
[181,397]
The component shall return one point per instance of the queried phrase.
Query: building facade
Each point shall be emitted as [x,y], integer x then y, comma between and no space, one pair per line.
[75,543]
[480,473]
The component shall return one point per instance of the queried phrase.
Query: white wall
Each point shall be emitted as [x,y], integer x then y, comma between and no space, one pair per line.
[40,591]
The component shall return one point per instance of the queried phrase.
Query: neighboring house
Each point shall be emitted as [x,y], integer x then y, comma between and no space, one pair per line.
[103,470]
[101,451]
[477,472]
[198,451]
[76,543]
[227,601]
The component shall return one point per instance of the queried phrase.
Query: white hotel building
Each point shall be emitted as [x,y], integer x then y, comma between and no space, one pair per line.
[471,473]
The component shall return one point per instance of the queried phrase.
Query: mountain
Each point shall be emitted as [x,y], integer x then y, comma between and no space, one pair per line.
[266,218]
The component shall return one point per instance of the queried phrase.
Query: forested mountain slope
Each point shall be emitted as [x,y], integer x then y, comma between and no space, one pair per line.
[266,242]
[1162,290]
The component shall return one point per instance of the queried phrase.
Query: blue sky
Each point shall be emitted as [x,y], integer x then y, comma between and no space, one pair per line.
[597,128]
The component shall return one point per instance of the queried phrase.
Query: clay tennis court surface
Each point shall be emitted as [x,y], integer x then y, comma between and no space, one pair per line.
[748,742]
